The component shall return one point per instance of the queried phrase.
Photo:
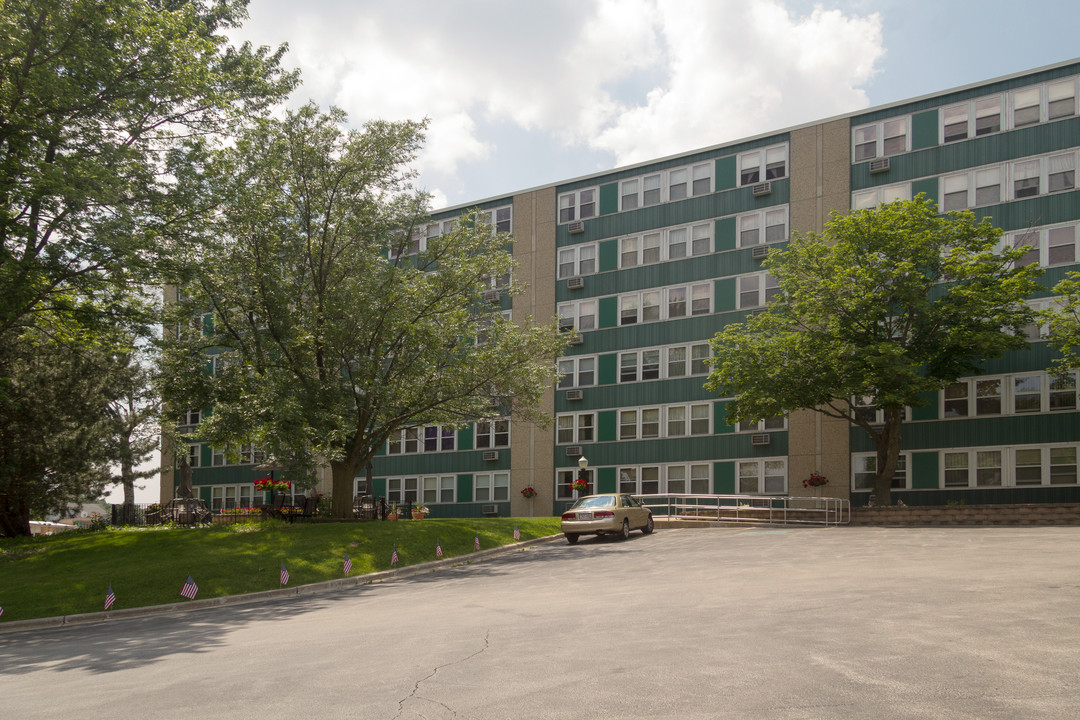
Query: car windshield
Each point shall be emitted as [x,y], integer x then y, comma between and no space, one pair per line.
[595,501]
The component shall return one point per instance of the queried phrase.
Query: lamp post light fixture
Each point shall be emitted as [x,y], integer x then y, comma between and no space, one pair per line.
[583,465]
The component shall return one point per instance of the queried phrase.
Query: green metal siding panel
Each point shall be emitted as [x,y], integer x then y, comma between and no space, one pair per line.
[608,312]
[725,234]
[929,411]
[720,425]
[605,426]
[725,173]
[609,198]
[1042,210]
[378,486]
[465,437]
[924,470]
[724,478]
[608,371]
[724,295]
[979,432]
[464,488]
[924,130]
[206,455]
[929,186]
[609,255]
[605,480]
[205,495]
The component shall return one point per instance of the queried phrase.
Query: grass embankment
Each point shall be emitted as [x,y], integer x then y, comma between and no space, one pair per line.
[69,573]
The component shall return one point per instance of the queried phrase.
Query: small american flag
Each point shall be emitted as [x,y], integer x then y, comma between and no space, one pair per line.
[110,598]
[284,575]
[517,533]
[438,549]
[394,557]
[348,564]
[190,589]
[1,611]
[476,541]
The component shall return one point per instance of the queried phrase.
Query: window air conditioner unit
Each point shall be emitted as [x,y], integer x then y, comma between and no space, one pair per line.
[490,455]
[760,252]
[574,394]
[566,325]
[879,166]
[575,283]
[490,510]
[761,189]
[577,339]
[492,296]
[578,226]
[574,451]
[760,439]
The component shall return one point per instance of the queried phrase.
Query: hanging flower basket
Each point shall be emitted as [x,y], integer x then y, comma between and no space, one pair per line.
[815,480]
[579,485]
[270,485]
[529,493]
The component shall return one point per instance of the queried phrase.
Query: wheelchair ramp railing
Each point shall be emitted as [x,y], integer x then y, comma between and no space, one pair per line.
[779,510]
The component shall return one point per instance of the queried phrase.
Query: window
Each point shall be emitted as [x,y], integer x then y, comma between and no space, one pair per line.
[766,164]
[761,477]
[872,197]
[437,438]
[431,438]
[228,497]
[1023,466]
[645,306]
[774,423]
[650,423]
[880,139]
[194,453]
[1063,392]
[1027,393]
[191,417]
[765,226]
[864,468]
[577,372]
[1009,394]
[439,489]
[700,299]
[402,490]
[580,315]
[985,392]
[1061,99]
[756,290]
[650,190]
[217,456]
[691,240]
[629,197]
[493,433]
[575,428]
[628,424]
[251,454]
[563,479]
[1025,105]
[972,118]
[491,487]
[577,260]
[639,480]
[577,205]
[500,219]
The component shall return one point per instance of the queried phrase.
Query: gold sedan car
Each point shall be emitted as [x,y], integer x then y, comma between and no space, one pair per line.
[608,514]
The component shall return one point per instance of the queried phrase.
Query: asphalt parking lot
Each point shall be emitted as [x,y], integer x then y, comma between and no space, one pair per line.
[695,623]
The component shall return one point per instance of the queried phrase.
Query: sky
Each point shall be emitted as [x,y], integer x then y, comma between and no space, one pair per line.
[524,93]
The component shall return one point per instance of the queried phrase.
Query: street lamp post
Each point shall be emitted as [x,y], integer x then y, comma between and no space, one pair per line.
[583,465]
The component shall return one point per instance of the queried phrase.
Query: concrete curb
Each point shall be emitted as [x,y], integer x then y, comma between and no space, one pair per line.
[250,598]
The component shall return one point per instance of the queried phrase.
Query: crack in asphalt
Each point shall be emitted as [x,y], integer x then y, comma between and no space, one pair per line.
[433,673]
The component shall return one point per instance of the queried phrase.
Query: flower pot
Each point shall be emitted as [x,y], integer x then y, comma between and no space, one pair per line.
[418,515]
[392,516]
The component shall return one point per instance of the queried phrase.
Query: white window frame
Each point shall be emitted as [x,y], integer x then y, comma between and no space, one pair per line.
[495,433]
[883,132]
[864,472]
[633,306]
[503,219]
[191,417]
[229,497]
[767,425]
[973,112]
[870,198]
[1051,391]
[764,159]
[981,458]
[581,427]
[495,484]
[404,489]
[580,204]
[437,493]
[762,467]
[571,255]
[760,223]
[766,288]
[572,314]
[571,370]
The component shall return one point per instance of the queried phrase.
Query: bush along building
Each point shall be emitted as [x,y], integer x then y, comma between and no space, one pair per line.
[646,263]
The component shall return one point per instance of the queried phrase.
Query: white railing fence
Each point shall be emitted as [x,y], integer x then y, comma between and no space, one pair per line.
[780,510]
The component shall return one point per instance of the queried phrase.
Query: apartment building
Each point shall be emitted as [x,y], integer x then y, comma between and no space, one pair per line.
[648,262]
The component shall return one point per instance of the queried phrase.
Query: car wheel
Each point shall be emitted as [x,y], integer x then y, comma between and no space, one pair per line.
[648,526]
[625,532]
[571,538]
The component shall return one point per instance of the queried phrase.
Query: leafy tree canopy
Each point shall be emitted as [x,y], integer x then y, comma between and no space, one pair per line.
[1064,322]
[329,332]
[886,305]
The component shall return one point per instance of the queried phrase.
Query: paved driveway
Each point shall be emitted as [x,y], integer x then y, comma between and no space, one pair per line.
[709,623]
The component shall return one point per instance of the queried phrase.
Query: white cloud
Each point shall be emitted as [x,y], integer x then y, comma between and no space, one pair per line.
[633,78]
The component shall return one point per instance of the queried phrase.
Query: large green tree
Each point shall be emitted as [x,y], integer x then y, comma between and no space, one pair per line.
[1064,322]
[882,308]
[330,332]
[93,94]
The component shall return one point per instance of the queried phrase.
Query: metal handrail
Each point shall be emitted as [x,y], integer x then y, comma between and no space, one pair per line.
[769,509]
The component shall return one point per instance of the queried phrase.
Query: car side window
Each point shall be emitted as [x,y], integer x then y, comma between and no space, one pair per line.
[628,501]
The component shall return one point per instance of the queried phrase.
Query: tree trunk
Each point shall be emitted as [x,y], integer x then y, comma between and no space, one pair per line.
[887,443]
[127,480]
[14,517]
[343,474]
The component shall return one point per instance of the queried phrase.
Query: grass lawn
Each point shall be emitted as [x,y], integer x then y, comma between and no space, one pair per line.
[69,573]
